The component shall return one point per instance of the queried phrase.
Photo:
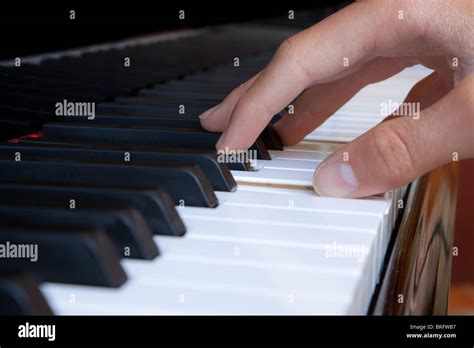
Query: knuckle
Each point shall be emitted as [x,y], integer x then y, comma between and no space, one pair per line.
[286,50]
[392,152]
[291,52]
[238,91]
[236,94]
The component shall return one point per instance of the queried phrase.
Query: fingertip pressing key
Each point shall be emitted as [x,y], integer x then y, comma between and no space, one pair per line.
[335,179]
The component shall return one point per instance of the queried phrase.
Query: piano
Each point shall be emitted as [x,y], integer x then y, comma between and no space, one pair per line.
[113,200]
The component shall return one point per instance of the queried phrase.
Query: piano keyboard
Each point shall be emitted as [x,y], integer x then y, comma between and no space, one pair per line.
[171,230]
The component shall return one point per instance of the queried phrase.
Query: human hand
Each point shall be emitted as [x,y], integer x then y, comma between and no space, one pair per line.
[378,39]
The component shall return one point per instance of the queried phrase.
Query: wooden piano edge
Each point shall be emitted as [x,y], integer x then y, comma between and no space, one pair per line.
[417,269]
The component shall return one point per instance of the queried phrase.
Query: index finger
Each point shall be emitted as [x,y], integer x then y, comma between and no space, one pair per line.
[313,55]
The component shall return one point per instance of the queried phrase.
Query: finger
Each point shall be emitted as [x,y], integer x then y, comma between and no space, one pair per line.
[312,56]
[425,93]
[319,102]
[400,150]
[217,118]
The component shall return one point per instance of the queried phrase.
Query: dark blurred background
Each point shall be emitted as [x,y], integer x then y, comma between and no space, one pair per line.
[31,28]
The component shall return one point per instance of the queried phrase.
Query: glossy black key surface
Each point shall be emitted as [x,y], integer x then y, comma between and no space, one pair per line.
[130,77]
[61,83]
[10,129]
[144,110]
[33,88]
[186,184]
[192,86]
[156,96]
[150,136]
[155,206]
[20,295]
[62,254]
[271,139]
[218,173]
[137,121]
[269,136]
[29,101]
[206,159]
[23,114]
[125,227]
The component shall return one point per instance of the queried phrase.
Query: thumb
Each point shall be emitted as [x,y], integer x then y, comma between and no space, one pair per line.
[399,150]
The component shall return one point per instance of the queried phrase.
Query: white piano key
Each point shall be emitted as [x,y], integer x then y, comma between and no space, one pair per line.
[297,172]
[247,286]
[277,216]
[316,258]
[352,116]
[330,135]
[286,216]
[340,130]
[314,147]
[183,298]
[347,123]
[375,207]
[289,164]
[288,167]
[312,202]
[299,155]
[246,276]
[271,176]
[266,250]
[299,237]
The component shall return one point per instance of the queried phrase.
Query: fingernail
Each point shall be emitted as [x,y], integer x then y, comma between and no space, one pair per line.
[208,113]
[335,179]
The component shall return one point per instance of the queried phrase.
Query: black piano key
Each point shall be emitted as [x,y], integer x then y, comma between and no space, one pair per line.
[31,117]
[28,101]
[137,121]
[125,227]
[276,118]
[16,75]
[153,103]
[268,135]
[191,86]
[155,205]
[33,89]
[71,77]
[160,137]
[218,79]
[14,128]
[20,295]
[271,139]
[174,154]
[62,254]
[218,173]
[28,105]
[156,95]
[100,70]
[185,183]
[143,110]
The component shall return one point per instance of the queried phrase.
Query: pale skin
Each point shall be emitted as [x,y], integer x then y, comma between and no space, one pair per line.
[378,44]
